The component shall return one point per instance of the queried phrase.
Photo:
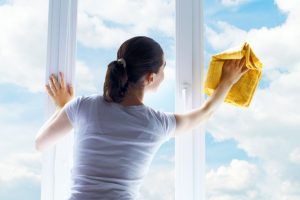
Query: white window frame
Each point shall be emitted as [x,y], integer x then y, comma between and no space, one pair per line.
[61,55]
[189,148]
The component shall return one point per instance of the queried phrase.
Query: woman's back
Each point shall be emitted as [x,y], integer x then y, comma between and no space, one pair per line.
[113,146]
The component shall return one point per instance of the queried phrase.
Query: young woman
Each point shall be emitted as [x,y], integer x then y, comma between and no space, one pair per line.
[116,135]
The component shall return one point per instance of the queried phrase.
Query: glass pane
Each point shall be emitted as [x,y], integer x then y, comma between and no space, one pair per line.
[23,40]
[253,152]
[102,27]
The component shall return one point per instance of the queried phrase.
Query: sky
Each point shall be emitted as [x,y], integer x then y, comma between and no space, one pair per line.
[254,151]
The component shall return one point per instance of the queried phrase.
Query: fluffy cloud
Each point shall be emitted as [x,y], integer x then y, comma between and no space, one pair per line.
[107,24]
[21,173]
[239,180]
[233,2]
[277,46]
[85,79]
[269,128]
[18,171]
[295,155]
[16,133]
[19,165]
[158,184]
[22,47]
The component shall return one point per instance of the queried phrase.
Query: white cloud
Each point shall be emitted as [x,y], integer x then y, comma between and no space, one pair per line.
[85,79]
[20,165]
[237,176]
[22,47]
[276,46]
[239,180]
[290,190]
[295,155]
[158,184]
[18,126]
[20,176]
[97,21]
[19,168]
[233,2]
[224,35]
[269,128]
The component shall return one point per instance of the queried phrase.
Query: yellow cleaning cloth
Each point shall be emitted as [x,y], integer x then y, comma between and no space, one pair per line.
[241,93]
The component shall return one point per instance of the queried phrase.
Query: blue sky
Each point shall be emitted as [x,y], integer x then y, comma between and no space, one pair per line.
[256,145]
[252,14]
[248,15]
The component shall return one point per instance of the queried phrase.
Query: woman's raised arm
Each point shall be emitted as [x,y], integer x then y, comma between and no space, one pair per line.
[232,71]
[58,124]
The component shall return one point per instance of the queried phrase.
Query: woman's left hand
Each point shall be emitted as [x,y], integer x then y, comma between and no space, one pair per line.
[58,91]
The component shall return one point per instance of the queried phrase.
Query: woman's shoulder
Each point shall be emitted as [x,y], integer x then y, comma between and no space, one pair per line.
[90,97]
[87,100]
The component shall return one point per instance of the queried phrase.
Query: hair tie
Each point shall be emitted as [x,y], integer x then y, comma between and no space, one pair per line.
[122,60]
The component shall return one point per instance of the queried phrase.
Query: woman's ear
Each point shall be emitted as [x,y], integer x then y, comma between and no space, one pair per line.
[149,78]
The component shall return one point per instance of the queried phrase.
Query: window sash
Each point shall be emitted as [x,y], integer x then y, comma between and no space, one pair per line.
[189,148]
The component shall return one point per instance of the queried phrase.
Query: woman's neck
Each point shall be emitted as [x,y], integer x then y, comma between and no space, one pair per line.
[134,96]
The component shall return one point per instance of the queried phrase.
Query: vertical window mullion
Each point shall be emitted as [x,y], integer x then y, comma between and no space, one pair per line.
[189,147]
[61,48]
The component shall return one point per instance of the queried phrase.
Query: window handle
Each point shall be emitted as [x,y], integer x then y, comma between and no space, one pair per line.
[184,96]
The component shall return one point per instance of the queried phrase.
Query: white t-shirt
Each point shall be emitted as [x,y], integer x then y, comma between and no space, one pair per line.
[114,146]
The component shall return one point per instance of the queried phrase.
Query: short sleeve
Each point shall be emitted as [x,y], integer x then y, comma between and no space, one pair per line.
[71,108]
[168,121]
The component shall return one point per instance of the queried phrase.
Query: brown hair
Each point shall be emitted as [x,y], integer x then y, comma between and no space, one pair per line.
[142,55]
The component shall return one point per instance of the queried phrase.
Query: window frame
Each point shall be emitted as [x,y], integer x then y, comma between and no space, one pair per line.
[189,147]
[61,53]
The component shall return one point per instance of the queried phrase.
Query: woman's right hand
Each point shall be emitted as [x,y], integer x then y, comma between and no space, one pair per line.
[233,70]
[59,91]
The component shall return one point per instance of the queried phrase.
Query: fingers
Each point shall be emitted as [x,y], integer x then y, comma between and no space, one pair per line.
[71,89]
[55,82]
[234,63]
[49,91]
[242,62]
[58,84]
[62,80]
[226,63]
[245,70]
[230,63]
[52,85]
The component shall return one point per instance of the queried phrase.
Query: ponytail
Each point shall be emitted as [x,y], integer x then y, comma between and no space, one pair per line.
[116,81]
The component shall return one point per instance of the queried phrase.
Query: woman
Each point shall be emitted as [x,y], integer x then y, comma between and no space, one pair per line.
[116,135]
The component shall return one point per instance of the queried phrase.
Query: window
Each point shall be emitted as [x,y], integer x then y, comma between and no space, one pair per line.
[22,169]
[255,155]
[255,151]
[91,24]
